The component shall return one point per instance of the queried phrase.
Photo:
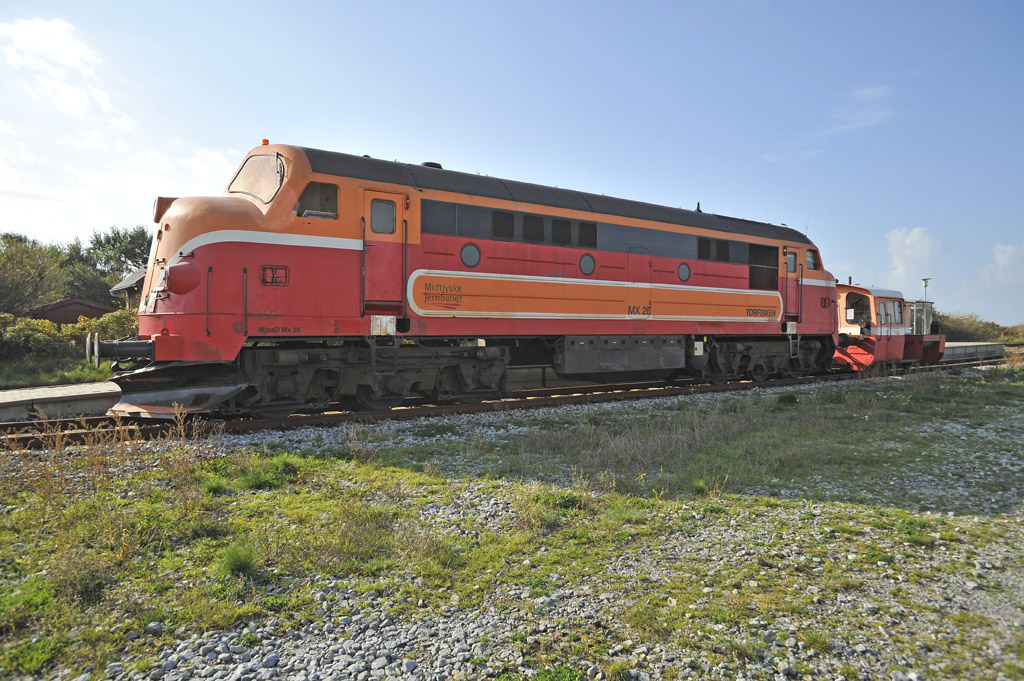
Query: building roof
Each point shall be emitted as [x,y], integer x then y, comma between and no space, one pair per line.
[70,302]
[131,281]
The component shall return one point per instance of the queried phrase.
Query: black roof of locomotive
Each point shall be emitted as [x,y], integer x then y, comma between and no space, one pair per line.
[426,177]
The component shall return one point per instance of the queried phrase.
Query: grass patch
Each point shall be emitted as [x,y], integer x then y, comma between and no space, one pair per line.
[793,441]
[55,371]
[89,554]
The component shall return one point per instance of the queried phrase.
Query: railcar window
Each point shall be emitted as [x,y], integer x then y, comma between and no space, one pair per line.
[704,249]
[899,311]
[588,235]
[382,216]
[437,217]
[791,262]
[561,231]
[812,260]
[318,200]
[858,308]
[503,225]
[533,228]
[474,221]
[881,313]
[721,250]
[260,177]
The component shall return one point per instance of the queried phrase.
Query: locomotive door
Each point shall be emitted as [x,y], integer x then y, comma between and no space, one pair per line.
[884,329]
[792,273]
[638,274]
[384,237]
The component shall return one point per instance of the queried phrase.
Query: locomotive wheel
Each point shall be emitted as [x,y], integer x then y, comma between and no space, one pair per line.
[367,400]
[757,374]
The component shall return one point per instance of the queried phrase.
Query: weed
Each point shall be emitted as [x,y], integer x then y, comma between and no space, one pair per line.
[30,658]
[559,674]
[618,670]
[647,620]
[745,650]
[79,576]
[239,559]
[816,640]
[215,484]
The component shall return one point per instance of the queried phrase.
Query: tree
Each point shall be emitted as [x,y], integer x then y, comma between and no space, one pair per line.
[29,274]
[81,276]
[119,251]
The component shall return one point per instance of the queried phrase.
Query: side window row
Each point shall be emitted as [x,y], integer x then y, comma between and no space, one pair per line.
[539,229]
[480,222]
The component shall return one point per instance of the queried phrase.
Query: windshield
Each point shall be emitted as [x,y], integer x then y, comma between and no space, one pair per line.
[260,177]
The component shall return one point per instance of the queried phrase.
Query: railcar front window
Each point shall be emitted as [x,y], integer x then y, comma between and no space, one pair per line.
[260,177]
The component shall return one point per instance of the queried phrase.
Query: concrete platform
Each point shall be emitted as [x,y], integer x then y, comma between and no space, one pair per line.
[963,352]
[81,399]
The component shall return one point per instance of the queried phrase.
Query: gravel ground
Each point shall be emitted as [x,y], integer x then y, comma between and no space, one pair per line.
[954,609]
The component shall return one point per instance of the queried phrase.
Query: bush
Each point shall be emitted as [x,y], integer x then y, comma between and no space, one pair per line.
[110,326]
[40,339]
[961,327]
[33,339]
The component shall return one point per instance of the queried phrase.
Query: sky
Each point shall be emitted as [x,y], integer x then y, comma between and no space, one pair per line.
[890,132]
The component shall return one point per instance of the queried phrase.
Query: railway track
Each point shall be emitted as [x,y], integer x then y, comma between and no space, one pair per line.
[61,433]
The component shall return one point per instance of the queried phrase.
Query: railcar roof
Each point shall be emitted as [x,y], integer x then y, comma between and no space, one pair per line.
[873,291]
[425,177]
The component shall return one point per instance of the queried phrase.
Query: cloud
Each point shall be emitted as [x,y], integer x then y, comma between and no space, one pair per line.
[913,254]
[871,93]
[59,69]
[49,47]
[864,107]
[861,108]
[1007,265]
[74,160]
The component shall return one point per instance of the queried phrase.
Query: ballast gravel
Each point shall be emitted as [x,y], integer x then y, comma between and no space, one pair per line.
[901,620]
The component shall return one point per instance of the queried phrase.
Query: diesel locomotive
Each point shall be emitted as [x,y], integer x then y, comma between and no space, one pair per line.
[320,277]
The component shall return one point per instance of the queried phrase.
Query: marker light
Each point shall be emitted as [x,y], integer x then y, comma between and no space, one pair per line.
[266,142]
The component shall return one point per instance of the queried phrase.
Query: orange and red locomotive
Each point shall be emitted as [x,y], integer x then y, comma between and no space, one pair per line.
[317,277]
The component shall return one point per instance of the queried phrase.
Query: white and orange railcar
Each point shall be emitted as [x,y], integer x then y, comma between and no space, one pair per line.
[875,331]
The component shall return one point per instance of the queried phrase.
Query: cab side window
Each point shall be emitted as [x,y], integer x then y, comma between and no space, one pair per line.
[812,260]
[318,200]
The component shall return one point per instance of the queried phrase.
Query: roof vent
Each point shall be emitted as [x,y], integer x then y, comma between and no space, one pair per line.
[431,164]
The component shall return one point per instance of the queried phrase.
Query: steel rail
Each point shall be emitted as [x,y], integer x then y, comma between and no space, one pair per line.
[60,433]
